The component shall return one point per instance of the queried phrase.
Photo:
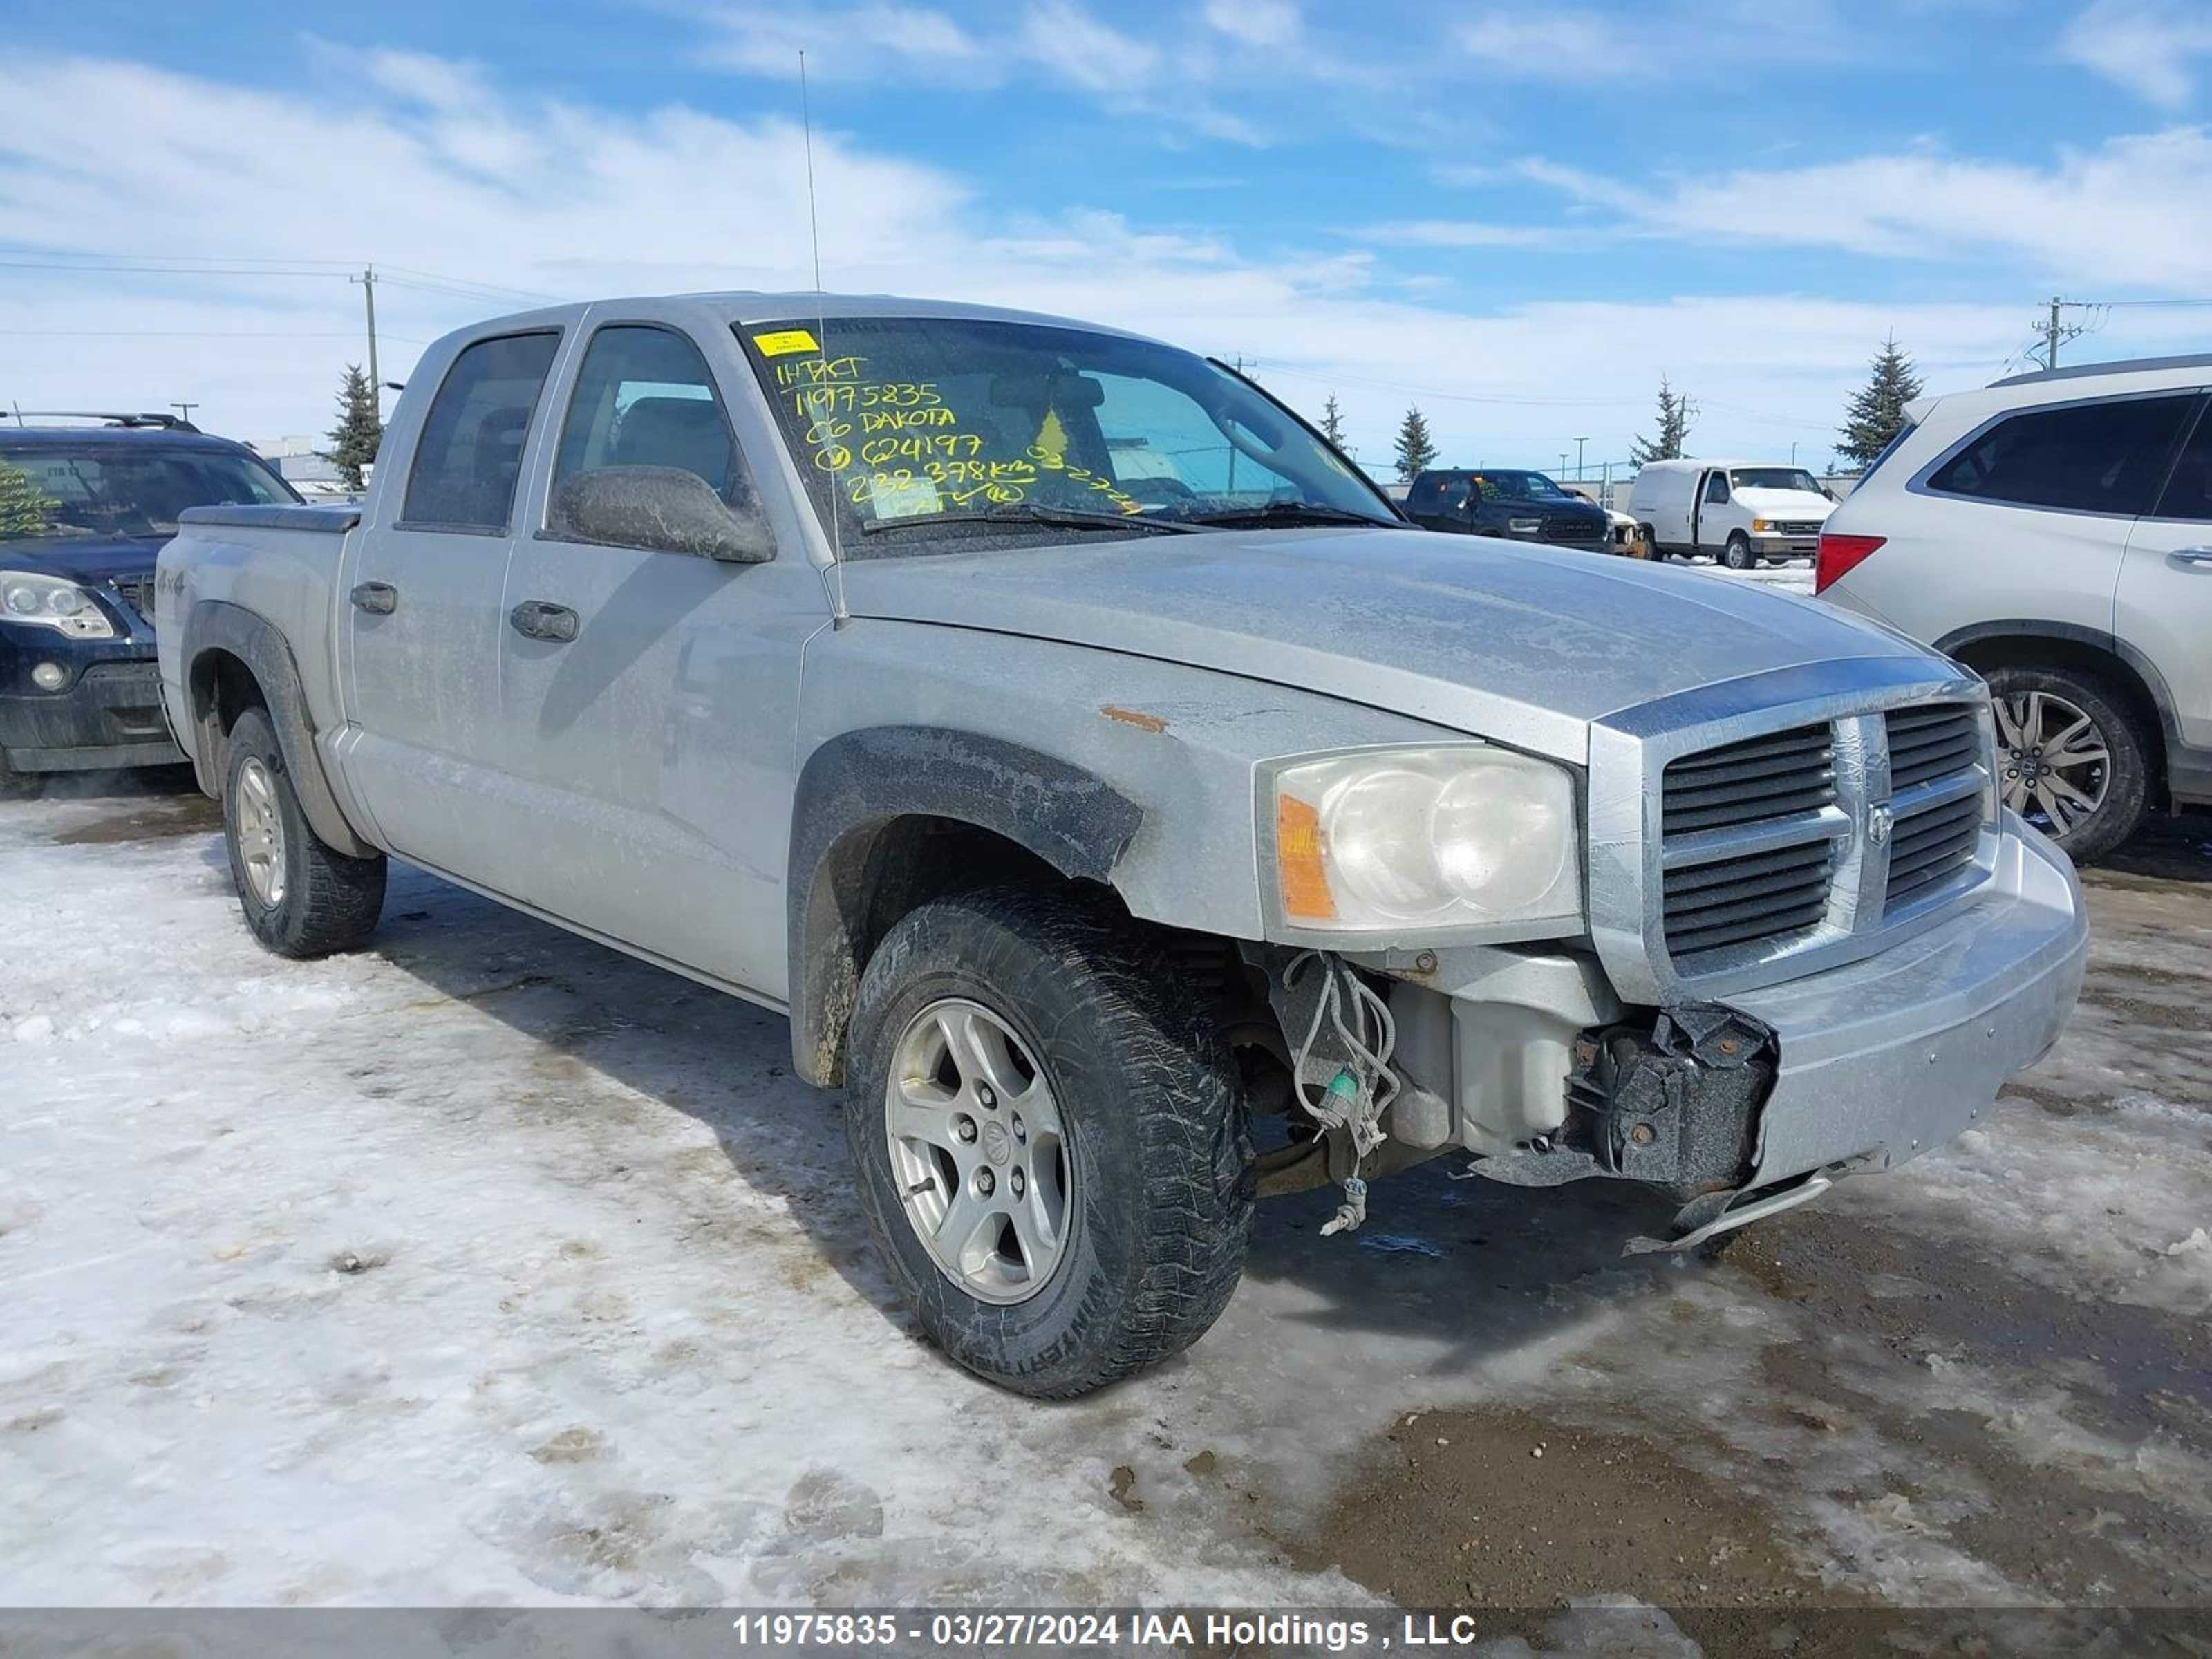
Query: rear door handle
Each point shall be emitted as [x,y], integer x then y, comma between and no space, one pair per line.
[378,599]
[2193,558]
[535,619]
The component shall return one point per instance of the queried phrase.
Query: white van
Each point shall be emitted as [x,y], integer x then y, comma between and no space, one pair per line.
[1739,512]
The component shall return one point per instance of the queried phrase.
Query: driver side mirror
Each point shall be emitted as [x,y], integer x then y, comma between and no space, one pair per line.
[658,509]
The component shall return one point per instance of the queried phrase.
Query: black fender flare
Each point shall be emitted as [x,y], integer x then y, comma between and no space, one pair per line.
[857,784]
[213,625]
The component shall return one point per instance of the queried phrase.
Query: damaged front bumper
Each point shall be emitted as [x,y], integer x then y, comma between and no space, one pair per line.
[1527,1061]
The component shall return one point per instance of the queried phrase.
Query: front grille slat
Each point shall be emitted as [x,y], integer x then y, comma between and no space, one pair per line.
[137,593]
[1934,845]
[1755,896]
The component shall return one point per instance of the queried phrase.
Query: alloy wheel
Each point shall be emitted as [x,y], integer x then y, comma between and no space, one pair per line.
[979,1151]
[260,832]
[2056,766]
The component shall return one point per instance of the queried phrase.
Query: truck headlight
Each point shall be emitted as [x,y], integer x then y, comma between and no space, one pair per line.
[27,596]
[1761,526]
[1463,836]
[1524,526]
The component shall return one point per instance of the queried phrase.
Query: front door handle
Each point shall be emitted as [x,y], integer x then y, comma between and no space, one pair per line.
[2191,558]
[534,619]
[378,599]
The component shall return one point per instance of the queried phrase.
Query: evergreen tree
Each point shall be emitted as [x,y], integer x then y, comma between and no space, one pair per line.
[360,429]
[23,505]
[1677,413]
[1415,453]
[1332,422]
[1876,412]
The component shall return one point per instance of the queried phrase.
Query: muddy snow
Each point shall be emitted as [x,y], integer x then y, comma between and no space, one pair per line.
[489,1266]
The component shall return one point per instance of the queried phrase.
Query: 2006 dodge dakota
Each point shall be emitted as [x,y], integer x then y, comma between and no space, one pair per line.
[1133,814]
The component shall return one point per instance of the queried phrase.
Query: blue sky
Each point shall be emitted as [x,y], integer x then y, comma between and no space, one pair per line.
[1517,217]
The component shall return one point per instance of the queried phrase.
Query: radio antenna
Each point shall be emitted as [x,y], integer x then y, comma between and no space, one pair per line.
[839,616]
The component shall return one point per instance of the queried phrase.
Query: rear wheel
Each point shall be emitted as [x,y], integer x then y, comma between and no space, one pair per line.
[1050,1141]
[301,898]
[2072,758]
[1737,554]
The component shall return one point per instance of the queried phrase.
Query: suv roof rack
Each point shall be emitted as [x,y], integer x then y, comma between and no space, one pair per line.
[2125,366]
[173,422]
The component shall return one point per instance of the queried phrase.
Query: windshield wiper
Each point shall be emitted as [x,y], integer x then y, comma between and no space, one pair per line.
[1015,513]
[1291,512]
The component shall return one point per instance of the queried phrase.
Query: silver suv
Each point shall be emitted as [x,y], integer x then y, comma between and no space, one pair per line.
[2054,533]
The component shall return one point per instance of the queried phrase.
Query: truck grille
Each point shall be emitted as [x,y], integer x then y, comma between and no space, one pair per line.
[1767,777]
[1579,531]
[1757,895]
[137,593]
[1798,526]
[1933,839]
[1926,743]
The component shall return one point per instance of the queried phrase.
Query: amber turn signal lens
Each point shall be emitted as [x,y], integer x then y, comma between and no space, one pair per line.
[1298,861]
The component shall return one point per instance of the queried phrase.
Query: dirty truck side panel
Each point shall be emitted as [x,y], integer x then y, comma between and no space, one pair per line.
[1106,767]
[258,588]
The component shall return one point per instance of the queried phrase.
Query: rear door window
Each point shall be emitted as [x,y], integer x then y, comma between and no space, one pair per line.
[468,458]
[2188,491]
[2082,458]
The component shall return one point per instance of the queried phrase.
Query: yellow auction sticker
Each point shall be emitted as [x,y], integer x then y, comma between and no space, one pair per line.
[784,342]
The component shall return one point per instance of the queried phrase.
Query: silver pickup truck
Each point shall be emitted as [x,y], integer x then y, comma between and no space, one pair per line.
[1133,814]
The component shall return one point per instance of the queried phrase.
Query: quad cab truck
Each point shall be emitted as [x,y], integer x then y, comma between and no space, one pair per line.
[1133,814]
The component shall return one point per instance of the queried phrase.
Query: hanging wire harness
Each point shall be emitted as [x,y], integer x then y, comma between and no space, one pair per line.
[1351,1089]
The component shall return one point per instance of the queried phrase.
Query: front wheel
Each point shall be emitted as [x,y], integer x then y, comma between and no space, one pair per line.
[1737,554]
[2072,759]
[1050,1141]
[300,896]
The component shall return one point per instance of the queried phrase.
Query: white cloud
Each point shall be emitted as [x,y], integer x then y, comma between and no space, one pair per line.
[594,201]
[2135,211]
[1255,22]
[2145,45]
[854,43]
[1554,45]
[1686,39]
[1460,233]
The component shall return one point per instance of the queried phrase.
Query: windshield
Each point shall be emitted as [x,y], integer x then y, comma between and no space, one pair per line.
[118,489]
[1774,477]
[1518,487]
[927,424]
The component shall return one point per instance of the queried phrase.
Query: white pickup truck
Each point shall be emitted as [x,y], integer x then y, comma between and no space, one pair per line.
[1132,813]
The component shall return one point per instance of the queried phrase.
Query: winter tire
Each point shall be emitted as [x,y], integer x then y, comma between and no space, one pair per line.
[2072,758]
[1737,554]
[301,898]
[1050,1140]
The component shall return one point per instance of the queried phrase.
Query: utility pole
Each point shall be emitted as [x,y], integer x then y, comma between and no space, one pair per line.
[2050,336]
[1579,443]
[367,281]
[184,411]
[1563,460]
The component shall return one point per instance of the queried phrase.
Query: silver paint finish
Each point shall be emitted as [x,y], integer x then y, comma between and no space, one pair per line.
[637,784]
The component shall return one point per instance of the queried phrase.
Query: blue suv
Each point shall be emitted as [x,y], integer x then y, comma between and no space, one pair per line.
[83,511]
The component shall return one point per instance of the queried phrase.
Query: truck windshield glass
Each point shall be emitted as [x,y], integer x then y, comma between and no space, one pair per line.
[899,422]
[1774,477]
[1518,487]
[125,490]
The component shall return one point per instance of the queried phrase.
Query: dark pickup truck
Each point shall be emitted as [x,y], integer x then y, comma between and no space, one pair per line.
[1511,505]
[83,511]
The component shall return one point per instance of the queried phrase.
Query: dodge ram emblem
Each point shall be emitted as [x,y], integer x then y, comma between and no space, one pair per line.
[1879,823]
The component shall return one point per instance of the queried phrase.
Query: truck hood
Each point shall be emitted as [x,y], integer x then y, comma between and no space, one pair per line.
[1786,503]
[1521,643]
[82,558]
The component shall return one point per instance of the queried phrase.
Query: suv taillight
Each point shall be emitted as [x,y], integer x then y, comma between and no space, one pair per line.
[1839,556]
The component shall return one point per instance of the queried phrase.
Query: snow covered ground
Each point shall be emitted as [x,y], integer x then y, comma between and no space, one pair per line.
[489,1266]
